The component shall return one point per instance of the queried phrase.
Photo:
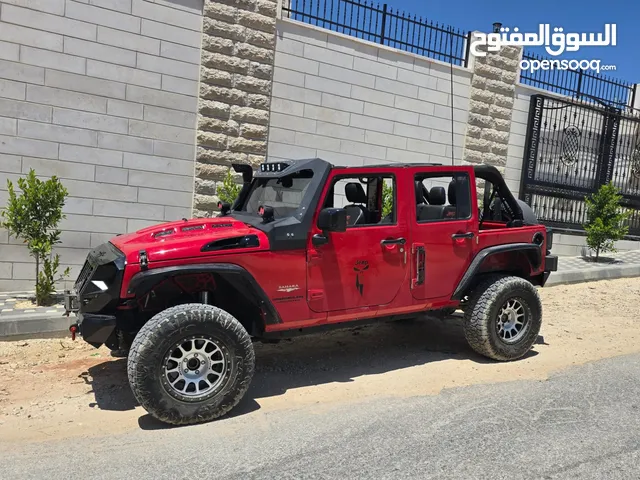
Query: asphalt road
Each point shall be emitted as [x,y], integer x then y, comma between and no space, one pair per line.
[582,423]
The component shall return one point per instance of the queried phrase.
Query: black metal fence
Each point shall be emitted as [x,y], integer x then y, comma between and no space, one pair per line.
[384,25]
[580,84]
[571,149]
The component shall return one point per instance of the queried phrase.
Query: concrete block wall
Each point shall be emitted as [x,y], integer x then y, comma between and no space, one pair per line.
[576,245]
[238,48]
[491,106]
[354,103]
[103,94]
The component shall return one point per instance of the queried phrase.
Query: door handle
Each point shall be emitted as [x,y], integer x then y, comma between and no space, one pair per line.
[393,241]
[457,236]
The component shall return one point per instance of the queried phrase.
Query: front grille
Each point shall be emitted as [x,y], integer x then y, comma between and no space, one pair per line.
[104,263]
[85,273]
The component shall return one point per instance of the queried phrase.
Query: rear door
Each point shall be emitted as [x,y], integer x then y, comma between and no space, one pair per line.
[444,230]
[366,265]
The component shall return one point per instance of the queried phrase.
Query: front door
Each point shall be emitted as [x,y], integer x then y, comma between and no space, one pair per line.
[443,233]
[366,265]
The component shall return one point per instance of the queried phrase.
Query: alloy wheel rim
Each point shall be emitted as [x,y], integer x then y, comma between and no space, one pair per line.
[195,367]
[513,321]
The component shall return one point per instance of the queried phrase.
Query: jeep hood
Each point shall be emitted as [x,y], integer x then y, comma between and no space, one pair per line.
[191,238]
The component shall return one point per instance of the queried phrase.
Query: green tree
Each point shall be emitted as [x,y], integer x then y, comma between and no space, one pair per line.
[34,216]
[605,219]
[229,190]
[387,198]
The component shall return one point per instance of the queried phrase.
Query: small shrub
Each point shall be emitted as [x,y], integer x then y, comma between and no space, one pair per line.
[34,216]
[605,219]
[229,190]
[387,198]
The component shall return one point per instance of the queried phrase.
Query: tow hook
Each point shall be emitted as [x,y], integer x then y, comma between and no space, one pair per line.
[73,329]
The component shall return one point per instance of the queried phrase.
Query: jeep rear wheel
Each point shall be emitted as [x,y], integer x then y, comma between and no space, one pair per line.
[190,364]
[503,318]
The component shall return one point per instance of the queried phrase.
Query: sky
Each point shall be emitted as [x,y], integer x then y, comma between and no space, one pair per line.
[577,16]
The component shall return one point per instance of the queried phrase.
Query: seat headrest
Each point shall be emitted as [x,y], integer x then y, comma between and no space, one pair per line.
[437,196]
[355,193]
[451,193]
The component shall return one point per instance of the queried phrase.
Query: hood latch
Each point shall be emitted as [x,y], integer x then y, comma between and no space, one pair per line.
[144,261]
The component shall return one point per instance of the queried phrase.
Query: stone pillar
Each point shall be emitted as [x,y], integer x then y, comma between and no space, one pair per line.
[238,48]
[490,106]
[634,102]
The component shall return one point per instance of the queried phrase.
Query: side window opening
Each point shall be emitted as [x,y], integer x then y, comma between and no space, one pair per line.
[442,197]
[369,200]
[492,206]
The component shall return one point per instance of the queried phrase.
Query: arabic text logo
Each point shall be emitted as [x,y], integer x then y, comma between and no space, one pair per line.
[555,42]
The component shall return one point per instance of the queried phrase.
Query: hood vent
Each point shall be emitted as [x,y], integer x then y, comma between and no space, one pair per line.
[192,227]
[221,225]
[246,241]
[164,233]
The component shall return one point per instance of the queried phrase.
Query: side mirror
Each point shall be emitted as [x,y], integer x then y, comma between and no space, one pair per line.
[332,220]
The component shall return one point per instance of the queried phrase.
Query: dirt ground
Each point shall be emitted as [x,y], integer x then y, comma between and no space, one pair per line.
[57,388]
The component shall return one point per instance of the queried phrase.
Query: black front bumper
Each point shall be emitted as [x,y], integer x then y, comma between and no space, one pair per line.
[95,329]
[96,295]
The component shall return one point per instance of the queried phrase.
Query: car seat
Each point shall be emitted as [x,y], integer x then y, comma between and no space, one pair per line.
[357,213]
[434,211]
[451,209]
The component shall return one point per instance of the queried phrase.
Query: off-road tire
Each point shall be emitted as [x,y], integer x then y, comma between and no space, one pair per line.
[145,366]
[481,317]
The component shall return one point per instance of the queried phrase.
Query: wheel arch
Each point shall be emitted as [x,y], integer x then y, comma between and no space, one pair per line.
[241,295]
[518,259]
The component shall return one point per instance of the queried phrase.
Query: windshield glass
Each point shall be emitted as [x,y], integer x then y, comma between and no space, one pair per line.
[283,194]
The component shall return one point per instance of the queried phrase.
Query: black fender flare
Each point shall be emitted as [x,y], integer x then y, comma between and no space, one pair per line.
[531,250]
[237,276]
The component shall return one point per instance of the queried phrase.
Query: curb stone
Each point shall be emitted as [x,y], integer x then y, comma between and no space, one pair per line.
[593,274]
[51,325]
[41,325]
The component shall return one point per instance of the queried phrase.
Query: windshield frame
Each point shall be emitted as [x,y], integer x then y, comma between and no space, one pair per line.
[288,233]
[262,182]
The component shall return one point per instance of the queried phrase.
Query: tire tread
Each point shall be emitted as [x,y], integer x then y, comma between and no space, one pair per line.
[167,322]
[477,314]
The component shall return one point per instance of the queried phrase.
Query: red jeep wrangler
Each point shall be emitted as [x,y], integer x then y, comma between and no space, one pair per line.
[306,246]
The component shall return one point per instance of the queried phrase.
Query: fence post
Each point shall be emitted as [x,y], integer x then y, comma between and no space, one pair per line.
[383,28]
[578,92]
[467,50]
[608,144]
[532,143]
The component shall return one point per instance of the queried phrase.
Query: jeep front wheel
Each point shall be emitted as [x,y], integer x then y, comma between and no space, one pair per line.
[503,318]
[190,364]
